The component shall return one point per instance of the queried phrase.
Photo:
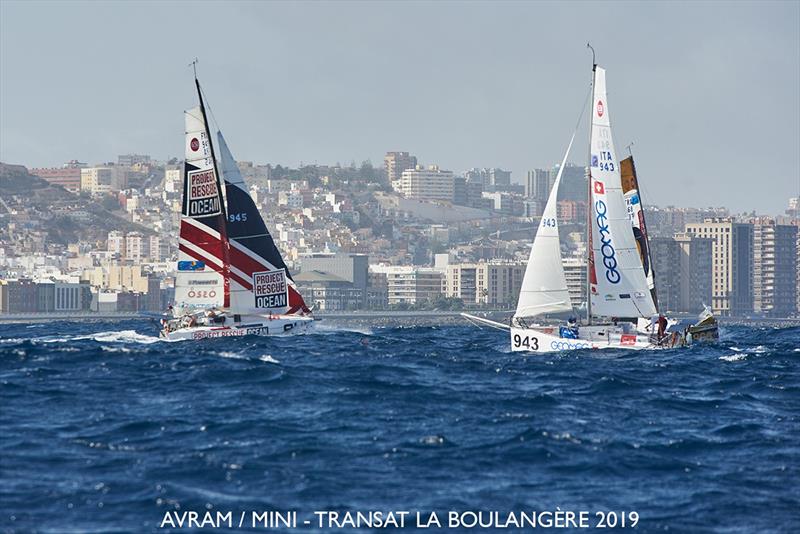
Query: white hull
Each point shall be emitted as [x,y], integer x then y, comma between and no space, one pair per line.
[547,339]
[276,325]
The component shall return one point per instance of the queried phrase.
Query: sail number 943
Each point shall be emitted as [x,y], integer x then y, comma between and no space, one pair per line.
[529,342]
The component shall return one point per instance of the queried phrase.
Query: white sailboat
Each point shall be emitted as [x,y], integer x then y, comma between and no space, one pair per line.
[231,279]
[620,284]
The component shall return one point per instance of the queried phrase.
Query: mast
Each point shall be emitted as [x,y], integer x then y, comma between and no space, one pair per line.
[589,205]
[226,261]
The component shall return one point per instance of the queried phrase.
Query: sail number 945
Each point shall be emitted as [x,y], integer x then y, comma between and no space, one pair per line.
[237,217]
[529,342]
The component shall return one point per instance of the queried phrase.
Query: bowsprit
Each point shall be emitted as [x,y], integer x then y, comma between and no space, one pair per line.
[606,248]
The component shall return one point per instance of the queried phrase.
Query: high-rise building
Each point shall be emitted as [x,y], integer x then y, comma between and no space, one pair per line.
[683,272]
[499,178]
[478,176]
[696,273]
[396,163]
[426,184]
[732,264]
[574,182]
[575,273]
[774,267]
[409,284]
[665,253]
[493,282]
[537,184]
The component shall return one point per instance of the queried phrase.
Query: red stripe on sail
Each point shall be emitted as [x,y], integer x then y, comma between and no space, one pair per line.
[246,263]
[241,281]
[203,240]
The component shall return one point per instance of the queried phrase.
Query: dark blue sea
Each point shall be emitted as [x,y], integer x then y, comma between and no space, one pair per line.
[104,428]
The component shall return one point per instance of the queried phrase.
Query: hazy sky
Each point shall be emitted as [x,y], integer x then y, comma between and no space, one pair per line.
[709,92]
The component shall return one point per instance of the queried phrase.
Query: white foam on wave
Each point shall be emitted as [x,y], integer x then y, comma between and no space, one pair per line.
[267,358]
[231,355]
[121,336]
[733,357]
[326,329]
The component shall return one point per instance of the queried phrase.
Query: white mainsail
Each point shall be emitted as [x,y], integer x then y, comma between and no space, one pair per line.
[544,286]
[199,279]
[618,284]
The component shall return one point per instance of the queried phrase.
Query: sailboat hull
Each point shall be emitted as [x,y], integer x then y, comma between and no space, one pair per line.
[278,325]
[548,339]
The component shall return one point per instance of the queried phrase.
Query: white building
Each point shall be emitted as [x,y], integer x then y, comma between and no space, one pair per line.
[102,180]
[426,184]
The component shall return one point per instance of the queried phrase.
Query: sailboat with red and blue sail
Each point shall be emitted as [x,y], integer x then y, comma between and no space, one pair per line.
[231,279]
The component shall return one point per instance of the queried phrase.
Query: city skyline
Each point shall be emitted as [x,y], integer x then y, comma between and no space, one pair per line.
[473,89]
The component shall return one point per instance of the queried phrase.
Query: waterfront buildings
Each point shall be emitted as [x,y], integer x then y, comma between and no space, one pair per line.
[495,283]
[410,285]
[731,264]
[774,267]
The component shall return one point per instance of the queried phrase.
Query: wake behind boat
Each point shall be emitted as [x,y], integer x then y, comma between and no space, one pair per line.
[622,306]
[231,279]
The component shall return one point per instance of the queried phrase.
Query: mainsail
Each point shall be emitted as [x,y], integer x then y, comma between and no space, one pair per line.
[201,281]
[544,286]
[618,287]
[633,201]
[260,280]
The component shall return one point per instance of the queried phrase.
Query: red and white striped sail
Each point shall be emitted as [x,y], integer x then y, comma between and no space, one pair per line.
[200,282]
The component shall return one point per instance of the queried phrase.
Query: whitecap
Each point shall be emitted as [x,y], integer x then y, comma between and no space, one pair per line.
[325,329]
[733,357]
[231,355]
[121,336]
[267,358]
